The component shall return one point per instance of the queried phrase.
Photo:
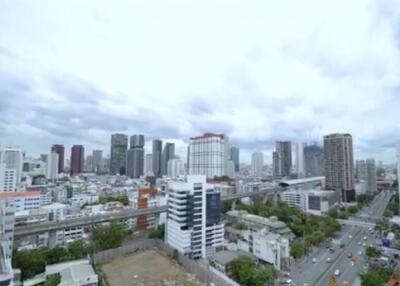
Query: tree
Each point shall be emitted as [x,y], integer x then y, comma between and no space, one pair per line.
[297,249]
[157,233]
[226,206]
[31,262]
[371,252]
[78,249]
[352,209]
[108,236]
[240,226]
[56,255]
[376,276]
[344,215]
[333,213]
[52,280]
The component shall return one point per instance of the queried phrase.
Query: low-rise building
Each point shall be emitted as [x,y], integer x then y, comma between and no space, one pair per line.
[22,201]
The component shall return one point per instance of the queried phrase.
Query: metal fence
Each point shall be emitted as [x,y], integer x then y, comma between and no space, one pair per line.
[199,268]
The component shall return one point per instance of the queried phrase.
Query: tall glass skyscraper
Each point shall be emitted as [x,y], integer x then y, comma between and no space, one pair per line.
[119,147]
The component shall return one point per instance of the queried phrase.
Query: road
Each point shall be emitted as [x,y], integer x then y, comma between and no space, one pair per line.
[317,274]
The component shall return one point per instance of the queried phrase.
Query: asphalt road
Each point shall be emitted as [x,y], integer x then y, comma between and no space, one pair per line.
[317,274]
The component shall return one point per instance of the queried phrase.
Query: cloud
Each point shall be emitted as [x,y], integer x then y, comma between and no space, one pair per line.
[259,72]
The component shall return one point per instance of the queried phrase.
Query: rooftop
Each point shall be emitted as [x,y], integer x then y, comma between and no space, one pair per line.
[19,194]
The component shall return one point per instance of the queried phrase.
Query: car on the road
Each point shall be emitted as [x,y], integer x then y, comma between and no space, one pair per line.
[350,255]
[328,260]
[331,249]
[359,243]
[350,236]
[364,238]
[314,260]
[364,244]
[360,253]
[337,272]
[342,245]
[289,282]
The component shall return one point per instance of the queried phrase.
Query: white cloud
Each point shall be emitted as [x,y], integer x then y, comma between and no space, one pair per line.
[259,71]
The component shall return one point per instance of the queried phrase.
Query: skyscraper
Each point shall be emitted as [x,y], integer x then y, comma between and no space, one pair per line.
[371,175]
[175,168]
[59,149]
[167,154]
[135,157]
[300,162]
[235,157]
[282,159]
[156,157]
[194,218]
[52,165]
[209,154]
[314,160]
[77,159]
[148,164]
[88,167]
[119,147]
[339,165]
[13,159]
[257,162]
[361,170]
[97,157]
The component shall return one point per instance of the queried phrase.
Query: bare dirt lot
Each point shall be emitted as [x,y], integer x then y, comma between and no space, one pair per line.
[148,268]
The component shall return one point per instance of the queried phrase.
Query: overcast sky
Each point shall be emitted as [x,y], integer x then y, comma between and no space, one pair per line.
[74,72]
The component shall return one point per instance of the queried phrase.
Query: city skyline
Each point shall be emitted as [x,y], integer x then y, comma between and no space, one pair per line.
[308,78]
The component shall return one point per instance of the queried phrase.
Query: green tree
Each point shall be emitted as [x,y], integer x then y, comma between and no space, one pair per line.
[52,280]
[352,209]
[242,269]
[56,255]
[108,236]
[157,233]
[240,226]
[333,213]
[376,276]
[226,206]
[78,249]
[297,249]
[31,262]
[371,252]
[344,215]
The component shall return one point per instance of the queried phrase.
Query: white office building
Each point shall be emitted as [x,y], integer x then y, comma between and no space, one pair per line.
[148,164]
[52,166]
[257,162]
[193,223]
[6,243]
[8,179]
[13,159]
[209,155]
[175,168]
[22,201]
[299,159]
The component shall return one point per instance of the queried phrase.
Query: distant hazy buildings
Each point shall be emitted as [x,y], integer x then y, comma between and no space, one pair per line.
[209,154]
[175,168]
[235,157]
[59,149]
[282,159]
[361,170]
[300,162]
[194,218]
[167,154]
[88,164]
[339,165]
[8,179]
[52,165]
[119,147]
[156,157]
[257,162]
[148,164]
[97,158]
[77,159]
[314,160]
[135,157]
[13,159]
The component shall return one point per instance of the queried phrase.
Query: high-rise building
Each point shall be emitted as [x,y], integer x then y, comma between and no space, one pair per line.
[257,162]
[371,175]
[59,149]
[209,155]
[300,162]
[235,157]
[6,242]
[119,147]
[135,157]
[175,168]
[314,160]
[148,164]
[97,157]
[282,159]
[194,218]
[361,170]
[52,165]
[156,157]
[13,159]
[8,179]
[88,167]
[77,159]
[339,165]
[167,154]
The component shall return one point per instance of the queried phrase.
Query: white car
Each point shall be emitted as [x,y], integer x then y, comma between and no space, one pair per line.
[365,238]
[359,243]
[328,260]
[350,236]
[360,253]
[337,272]
[289,281]
[314,260]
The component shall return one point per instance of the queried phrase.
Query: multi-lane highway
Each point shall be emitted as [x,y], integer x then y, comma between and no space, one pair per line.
[316,272]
